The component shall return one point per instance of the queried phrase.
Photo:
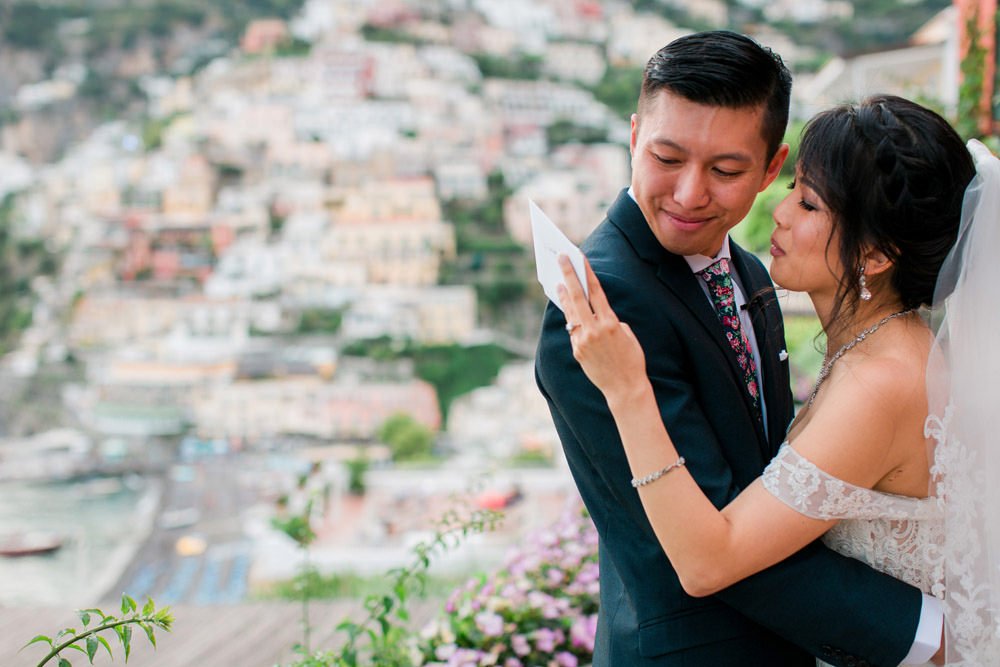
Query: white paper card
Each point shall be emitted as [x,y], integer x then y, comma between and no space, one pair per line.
[550,242]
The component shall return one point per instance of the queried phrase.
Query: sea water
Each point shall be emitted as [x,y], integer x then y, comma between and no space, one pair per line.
[101,522]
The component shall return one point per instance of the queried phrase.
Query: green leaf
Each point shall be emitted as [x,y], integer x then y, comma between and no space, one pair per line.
[84,618]
[92,646]
[76,647]
[127,600]
[63,662]
[149,633]
[148,608]
[39,638]
[127,640]
[106,645]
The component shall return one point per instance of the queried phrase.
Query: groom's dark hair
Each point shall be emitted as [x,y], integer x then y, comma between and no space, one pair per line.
[720,68]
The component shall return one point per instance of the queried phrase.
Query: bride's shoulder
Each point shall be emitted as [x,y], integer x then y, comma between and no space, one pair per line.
[883,378]
[893,371]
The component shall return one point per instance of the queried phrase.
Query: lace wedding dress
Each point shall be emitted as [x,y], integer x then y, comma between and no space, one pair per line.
[899,535]
[947,545]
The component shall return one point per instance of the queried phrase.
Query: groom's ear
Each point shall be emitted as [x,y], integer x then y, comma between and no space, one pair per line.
[774,166]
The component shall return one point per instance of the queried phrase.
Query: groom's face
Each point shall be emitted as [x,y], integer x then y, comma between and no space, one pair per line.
[696,169]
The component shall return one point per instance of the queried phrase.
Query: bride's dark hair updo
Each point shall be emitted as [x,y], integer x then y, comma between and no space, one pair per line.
[893,175]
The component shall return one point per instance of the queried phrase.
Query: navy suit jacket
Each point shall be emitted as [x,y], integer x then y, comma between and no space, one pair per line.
[815,603]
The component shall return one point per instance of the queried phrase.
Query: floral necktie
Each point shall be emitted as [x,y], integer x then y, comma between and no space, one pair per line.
[720,287]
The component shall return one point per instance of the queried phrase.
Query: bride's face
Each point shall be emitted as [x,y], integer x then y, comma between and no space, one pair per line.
[805,243]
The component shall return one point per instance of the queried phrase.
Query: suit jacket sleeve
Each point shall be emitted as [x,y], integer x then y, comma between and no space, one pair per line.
[826,603]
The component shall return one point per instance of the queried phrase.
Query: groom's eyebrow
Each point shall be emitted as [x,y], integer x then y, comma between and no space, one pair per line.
[736,156]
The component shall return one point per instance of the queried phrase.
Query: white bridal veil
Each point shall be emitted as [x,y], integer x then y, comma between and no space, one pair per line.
[964,394]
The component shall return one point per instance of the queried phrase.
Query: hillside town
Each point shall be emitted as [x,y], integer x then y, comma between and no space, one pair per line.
[322,230]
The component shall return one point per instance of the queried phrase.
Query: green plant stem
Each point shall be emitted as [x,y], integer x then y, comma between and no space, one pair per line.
[306,628]
[100,628]
[449,535]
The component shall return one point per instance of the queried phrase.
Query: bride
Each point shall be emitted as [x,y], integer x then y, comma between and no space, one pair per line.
[875,208]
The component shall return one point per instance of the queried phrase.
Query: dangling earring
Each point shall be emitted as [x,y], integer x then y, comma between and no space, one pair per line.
[865,294]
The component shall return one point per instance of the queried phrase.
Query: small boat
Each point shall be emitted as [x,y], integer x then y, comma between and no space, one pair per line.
[29,544]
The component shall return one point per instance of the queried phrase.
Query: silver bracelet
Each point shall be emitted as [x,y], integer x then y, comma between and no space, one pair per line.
[653,476]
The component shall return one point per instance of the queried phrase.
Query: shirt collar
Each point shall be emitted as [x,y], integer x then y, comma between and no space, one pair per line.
[699,263]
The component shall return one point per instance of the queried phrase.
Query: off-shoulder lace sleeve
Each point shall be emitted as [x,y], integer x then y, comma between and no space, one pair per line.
[802,485]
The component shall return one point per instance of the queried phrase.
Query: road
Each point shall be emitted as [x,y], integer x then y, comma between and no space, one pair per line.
[197,553]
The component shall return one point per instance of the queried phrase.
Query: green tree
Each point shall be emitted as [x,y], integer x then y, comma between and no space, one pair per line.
[29,25]
[565,131]
[619,89]
[518,67]
[754,233]
[970,91]
[455,370]
[407,438]
[320,320]
[356,470]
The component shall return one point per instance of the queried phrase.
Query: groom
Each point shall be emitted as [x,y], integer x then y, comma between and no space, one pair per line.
[706,139]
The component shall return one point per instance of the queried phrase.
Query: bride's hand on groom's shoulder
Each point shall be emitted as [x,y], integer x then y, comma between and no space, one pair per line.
[606,347]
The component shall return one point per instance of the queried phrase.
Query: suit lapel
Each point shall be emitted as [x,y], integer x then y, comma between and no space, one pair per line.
[765,313]
[675,274]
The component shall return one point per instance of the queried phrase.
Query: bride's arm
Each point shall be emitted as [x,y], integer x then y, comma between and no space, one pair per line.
[711,549]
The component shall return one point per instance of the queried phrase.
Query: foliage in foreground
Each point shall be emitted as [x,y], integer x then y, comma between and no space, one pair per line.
[540,608]
[89,639]
[382,637]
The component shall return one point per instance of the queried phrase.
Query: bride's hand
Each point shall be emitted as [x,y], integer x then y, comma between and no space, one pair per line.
[606,348]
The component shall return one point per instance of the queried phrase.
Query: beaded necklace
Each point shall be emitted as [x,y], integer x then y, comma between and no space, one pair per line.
[824,372]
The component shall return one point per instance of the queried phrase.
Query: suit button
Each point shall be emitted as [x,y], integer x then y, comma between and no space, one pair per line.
[827,650]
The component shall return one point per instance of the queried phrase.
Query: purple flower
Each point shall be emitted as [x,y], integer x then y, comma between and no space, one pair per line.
[465,657]
[518,610]
[555,576]
[582,632]
[489,624]
[445,651]
[545,640]
[566,659]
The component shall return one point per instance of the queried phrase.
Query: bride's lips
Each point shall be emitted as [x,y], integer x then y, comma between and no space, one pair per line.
[776,250]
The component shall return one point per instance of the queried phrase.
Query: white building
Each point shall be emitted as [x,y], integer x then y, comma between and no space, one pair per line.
[929,69]
[309,406]
[635,37]
[542,103]
[575,62]
[575,193]
[431,315]
[460,179]
[505,419]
